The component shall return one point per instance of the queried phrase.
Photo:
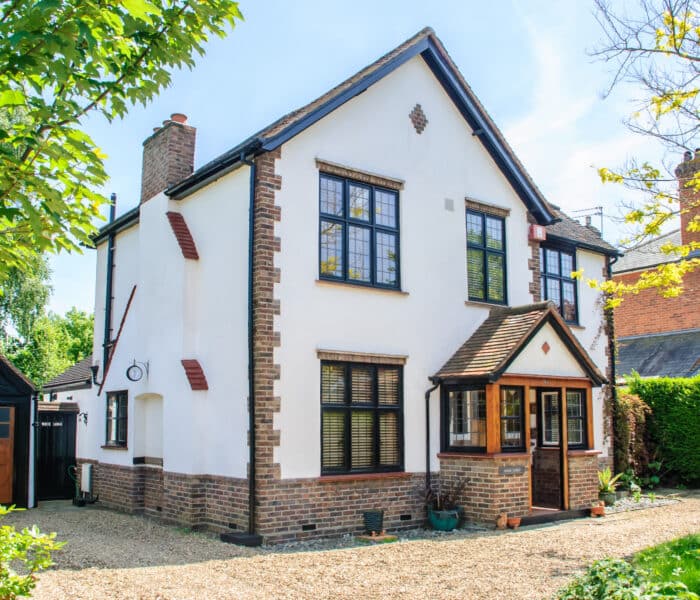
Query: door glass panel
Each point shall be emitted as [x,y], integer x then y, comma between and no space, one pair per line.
[4,431]
[550,418]
[4,414]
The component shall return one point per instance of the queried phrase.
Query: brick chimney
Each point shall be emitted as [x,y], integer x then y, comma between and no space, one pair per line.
[689,198]
[168,156]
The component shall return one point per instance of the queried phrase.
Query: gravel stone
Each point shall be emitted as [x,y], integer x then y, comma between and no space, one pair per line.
[115,556]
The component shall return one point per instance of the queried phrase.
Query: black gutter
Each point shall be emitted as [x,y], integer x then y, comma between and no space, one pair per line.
[430,390]
[111,240]
[251,538]
[128,219]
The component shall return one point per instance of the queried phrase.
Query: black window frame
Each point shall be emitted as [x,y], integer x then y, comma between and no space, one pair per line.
[583,418]
[445,445]
[121,420]
[347,221]
[560,278]
[521,417]
[487,251]
[347,408]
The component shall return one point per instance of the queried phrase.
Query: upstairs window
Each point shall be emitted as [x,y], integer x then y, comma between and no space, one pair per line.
[556,281]
[486,257]
[361,418]
[358,233]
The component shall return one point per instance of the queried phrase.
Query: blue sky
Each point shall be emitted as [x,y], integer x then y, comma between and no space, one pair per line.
[527,61]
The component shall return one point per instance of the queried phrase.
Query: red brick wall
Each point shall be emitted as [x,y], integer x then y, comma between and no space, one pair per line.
[649,312]
[546,478]
[489,492]
[583,481]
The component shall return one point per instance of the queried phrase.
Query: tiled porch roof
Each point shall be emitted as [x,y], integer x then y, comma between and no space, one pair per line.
[501,337]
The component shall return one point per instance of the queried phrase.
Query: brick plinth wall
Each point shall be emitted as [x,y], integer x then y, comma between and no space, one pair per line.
[305,508]
[488,492]
[204,501]
[546,477]
[583,480]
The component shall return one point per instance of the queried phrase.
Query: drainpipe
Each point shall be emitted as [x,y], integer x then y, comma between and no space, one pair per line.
[107,339]
[612,354]
[430,390]
[251,538]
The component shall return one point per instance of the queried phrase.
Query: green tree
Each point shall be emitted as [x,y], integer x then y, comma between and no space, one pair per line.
[655,46]
[23,298]
[61,60]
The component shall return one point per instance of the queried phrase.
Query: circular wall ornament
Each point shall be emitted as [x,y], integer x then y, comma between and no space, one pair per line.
[134,373]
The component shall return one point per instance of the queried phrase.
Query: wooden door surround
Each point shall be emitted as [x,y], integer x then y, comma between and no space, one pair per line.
[7,436]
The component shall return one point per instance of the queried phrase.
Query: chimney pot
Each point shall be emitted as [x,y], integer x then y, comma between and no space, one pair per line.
[687,155]
[179,118]
[588,220]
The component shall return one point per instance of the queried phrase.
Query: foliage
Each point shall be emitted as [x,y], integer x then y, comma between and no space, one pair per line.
[656,47]
[673,425]
[23,297]
[606,482]
[54,344]
[447,495]
[631,449]
[22,555]
[61,60]
[615,579]
[675,560]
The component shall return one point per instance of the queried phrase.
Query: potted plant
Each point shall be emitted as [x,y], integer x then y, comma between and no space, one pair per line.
[598,509]
[607,485]
[443,504]
[513,522]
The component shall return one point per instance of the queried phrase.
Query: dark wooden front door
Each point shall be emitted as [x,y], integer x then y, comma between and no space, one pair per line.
[55,454]
[7,446]
[546,456]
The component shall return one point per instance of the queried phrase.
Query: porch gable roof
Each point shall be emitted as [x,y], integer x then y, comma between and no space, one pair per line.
[503,335]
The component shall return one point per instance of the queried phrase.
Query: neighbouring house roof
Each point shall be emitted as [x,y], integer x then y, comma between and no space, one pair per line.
[674,354]
[78,376]
[14,373]
[425,43]
[501,337]
[568,229]
[649,254]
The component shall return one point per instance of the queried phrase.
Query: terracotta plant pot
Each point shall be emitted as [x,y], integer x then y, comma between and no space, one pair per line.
[501,521]
[597,511]
[513,522]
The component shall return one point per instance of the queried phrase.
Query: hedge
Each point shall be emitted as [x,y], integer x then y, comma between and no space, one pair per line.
[673,425]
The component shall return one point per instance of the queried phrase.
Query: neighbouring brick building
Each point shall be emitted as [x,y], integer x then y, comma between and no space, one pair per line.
[369,294]
[659,336]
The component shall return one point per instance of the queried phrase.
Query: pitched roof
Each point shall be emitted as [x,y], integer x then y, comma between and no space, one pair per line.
[501,337]
[77,375]
[583,236]
[5,362]
[425,43]
[649,254]
[674,354]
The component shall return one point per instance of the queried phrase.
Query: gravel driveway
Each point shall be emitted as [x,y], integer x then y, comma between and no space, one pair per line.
[114,556]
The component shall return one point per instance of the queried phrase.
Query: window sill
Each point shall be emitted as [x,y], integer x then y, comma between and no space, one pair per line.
[575,326]
[350,477]
[583,452]
[360,287]
[481,304]
[113,447]
[484,455]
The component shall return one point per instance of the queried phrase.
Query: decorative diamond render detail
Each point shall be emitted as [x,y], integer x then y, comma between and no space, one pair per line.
[546,348]
[418,118]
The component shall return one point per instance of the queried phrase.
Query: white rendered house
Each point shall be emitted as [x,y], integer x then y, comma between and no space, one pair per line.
[342,308]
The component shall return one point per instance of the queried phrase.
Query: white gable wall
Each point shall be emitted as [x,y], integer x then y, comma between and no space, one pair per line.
[373,132]
[557,361]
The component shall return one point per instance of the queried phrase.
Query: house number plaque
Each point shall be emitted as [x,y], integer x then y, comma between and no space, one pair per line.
[511,470]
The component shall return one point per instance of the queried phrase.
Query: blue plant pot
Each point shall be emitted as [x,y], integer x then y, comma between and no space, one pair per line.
[443,520]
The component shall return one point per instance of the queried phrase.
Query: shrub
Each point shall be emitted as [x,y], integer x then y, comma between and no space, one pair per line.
[631,451]
[673,425]
[22,555]
[614,579]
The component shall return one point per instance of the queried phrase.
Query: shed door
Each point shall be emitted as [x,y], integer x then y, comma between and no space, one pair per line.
[56,453]
[7,434]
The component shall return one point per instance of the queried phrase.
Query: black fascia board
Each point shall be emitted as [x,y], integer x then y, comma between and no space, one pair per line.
[128,219]
[583,245]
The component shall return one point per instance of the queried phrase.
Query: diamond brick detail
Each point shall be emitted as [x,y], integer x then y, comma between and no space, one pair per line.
[546,348]
[418,118]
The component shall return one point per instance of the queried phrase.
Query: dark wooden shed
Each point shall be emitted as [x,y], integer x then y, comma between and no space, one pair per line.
[17,394]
